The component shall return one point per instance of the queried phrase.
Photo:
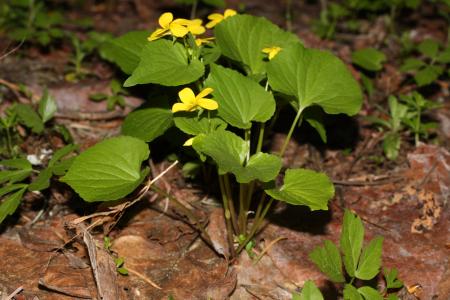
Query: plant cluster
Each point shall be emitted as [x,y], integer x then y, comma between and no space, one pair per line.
[361,265]
[229,86]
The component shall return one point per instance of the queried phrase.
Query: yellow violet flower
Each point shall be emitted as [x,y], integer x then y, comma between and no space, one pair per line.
[194,26]
[189,142]
[217,18]
[191,102]
[271,51]
[201,41]
[168,26]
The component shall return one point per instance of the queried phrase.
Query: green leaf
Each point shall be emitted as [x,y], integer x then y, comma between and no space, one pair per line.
[411,64]
[125,50]
[229,151]
[98,97]
[429,48]
[9,205]
[391,145]
[315,77]
[444,56]
[398,112]
[392,282]
[163,62]
[392,297]
[370,293]
[61,153]
[110,170]
[11,188]
[328,259]
[42,181]
[191,123]
[21,169]
[242,38]
[352,237]
[29,118]
[60,168]
[310,292]
[241,100]
[215,3]
[370,261]
[47,106]
[351,293]
[147,124]
[428,75]
[304,187]
[369,58]
[314,117]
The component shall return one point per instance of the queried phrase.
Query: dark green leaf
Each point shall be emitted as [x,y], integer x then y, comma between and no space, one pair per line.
[147,124]
[9,205]
[29,118]
[191,123]
[314,117]
[42,181]
[428,75]
[19,170]
[429,48]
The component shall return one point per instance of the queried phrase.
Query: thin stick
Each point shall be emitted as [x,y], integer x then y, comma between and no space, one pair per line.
[143,277]
[13,294]
[268,248]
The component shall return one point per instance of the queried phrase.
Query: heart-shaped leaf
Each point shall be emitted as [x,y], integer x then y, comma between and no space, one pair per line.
[166,63]
[109,170]
[315,77]
[241,100]
[304,187]
[242,38]
[147,124]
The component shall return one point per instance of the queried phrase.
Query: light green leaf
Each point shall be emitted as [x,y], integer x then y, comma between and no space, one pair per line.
[125,50]
[61,153]
[352,237]
[42,181]
[392,282]
[369,58]
[315,77]
[411,64]
[304,187]
[9,205]
[29,118]
[241,100]
[163,62]
[229,152]
[191,123]
[11,188]
[47,106]
[147,124]
[370,293]
[429,48]
[351,293]
[328,259]
[370,260]
[242,38]
[392,297]
[310,292]
[109,170]
[391,145]
[19,169]
[428,75]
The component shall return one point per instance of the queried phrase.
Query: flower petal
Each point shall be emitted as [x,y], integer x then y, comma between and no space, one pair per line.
[229,13]
[187,96]
[215,17]
[165,19]
[196,29]
[205,92]
[208,104]
[267,50]
[158,33]
[181,107]
[178,30]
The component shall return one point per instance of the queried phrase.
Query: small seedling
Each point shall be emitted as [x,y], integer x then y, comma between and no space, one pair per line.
[430,65]
[119,262]
[115,98]
[352,265]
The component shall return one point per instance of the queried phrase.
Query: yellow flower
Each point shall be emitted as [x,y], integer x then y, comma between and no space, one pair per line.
[168,26]
[217,18]
[272,51]
[194,26]
[201,41]
[189,142]
[190,102]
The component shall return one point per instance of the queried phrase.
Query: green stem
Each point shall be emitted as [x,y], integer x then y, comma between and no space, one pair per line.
[227,215]
[291,130]
[242,208]
[194,9]
[8,141]
[227,186]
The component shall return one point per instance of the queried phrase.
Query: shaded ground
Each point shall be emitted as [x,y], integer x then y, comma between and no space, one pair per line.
[405,201]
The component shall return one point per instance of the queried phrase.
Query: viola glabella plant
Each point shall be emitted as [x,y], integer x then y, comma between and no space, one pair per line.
[229,87]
